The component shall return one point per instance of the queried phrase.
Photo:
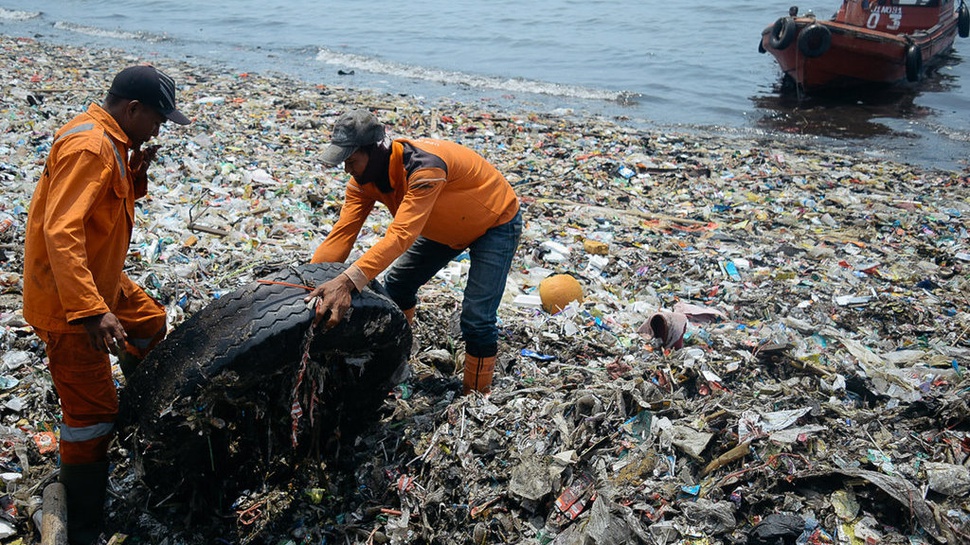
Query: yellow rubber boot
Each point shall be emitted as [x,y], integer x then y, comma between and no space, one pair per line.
[478,374]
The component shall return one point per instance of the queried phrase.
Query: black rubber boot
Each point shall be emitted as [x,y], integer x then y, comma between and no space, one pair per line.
[86,486]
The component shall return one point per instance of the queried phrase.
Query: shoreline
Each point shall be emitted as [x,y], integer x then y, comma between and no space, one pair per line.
[840,263]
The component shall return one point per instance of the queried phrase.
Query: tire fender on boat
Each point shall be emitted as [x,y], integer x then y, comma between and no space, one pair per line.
[914,62]
[963,20]
[783,33]
[814,40]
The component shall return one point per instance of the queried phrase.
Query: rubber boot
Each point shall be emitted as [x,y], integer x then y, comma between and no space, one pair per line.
[478,374]
[409,314]
[86,486]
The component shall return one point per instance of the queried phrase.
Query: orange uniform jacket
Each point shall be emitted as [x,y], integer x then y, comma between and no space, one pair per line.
[79,225]
[440,190]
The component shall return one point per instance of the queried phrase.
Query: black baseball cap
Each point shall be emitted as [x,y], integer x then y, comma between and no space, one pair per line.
[150,86]
[352,130]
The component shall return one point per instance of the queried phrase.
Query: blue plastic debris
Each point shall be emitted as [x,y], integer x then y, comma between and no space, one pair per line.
[537,356]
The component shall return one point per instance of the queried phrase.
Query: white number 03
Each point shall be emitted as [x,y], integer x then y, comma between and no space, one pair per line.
[895,20]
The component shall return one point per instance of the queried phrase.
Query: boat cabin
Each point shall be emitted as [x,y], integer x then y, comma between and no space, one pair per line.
[894,16]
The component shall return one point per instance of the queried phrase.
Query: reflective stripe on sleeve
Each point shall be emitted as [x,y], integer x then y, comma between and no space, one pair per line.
[118,157]
[88,126]
[80,128]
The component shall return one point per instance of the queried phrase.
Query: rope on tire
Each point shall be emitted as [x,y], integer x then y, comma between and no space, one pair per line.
[296,410]
[281,283]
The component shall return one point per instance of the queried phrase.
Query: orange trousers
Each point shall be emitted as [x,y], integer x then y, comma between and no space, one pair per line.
[82,377]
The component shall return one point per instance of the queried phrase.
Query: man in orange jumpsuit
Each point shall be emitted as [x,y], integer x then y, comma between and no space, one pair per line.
[76,296]
[445,198]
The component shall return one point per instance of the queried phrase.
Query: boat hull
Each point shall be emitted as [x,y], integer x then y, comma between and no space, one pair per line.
[857,56]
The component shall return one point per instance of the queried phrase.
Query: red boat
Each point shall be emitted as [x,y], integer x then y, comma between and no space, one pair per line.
[867,42]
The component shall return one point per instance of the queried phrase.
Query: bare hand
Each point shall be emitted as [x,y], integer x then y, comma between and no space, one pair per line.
[141,159]
[105,333]
[333,299]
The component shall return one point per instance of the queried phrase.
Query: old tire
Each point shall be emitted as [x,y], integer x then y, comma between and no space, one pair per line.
[963,21]
[814,40]
[783,33]
[209,409]
[914,63]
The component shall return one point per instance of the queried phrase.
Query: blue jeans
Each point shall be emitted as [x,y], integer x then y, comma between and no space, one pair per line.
[491,258]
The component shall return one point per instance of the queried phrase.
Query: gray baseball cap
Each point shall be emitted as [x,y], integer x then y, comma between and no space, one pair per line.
[352,130]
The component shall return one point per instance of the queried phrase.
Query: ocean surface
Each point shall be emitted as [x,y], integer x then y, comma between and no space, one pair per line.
[646,63]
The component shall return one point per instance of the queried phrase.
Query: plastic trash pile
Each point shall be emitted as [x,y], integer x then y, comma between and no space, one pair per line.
[771,345]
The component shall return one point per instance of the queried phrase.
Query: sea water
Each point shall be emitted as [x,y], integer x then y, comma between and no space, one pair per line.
[648,63]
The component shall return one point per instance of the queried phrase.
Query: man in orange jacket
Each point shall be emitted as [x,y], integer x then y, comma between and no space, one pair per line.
[76,296]
[445,198]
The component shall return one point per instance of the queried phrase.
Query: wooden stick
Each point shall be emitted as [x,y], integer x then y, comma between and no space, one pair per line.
[736,453]
[714,415]
[53,526]
[211,230]
[644,215]
[66,90]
